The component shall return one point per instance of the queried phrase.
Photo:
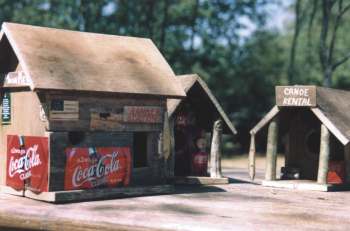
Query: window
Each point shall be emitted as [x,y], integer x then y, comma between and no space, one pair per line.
[140,149]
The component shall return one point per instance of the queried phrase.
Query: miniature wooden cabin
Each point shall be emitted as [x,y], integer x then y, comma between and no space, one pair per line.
[312,123]
[76,105]
[191,119]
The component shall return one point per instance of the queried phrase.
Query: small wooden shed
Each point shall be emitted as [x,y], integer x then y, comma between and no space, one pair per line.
[191,120]
[312,125]
[82,113]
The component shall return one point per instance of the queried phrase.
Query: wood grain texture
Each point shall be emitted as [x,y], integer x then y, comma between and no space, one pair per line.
[61,59]
[265,120]
[296,96]
[215,150]
[324,155]
[98,194]
[251,158]
[201,180]
[103,113]
[271,152]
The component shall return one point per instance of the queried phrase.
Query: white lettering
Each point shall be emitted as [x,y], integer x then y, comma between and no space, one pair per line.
[99,170]
[24,163]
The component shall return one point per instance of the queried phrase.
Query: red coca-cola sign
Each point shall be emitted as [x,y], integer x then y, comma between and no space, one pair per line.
[97,167]
[27,163]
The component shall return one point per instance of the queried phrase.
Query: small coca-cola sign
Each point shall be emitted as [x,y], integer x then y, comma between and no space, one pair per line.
[27,163]
[97,167]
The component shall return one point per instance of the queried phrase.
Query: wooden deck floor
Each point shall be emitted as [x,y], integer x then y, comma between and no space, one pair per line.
[237,206]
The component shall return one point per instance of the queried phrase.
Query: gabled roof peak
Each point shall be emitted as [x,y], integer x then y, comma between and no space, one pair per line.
[60,59]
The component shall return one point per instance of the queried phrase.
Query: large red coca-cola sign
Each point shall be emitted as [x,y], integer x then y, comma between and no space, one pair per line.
[97,167]
[27,163]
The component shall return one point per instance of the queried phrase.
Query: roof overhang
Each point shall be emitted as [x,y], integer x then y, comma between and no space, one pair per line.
[188,82]
[330,106]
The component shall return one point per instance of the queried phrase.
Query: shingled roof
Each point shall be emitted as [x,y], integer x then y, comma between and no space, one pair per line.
[332,109]
[79,61]
[197,90]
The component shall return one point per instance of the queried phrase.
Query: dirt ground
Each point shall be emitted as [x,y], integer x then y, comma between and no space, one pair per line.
[241,205]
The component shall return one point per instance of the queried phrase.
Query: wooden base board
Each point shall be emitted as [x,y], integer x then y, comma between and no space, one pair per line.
[305,185]
[99,194]
[200,180]
[8,190]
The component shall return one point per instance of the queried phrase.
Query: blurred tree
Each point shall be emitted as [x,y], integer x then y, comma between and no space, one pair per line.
[322,48]
[328,37]
[201,36]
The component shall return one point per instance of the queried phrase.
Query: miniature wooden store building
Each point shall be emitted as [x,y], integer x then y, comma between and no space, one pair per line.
[191,119]
[82,113]
[312,124]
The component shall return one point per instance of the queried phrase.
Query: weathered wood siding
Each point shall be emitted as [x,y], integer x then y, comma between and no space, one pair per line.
[92,104]
[25,113]
[112,133]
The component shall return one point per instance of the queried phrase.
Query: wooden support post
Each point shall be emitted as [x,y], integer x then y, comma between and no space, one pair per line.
[347,163]
[166,145]
[172,147]
[215,152]
[251,166]
[324,156]
[271,150]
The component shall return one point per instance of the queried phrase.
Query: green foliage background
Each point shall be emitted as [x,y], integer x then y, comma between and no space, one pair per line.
[204,37]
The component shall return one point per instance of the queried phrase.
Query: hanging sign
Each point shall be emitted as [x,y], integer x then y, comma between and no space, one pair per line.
[296,96]
[27,163]
[6,108]
[93,167]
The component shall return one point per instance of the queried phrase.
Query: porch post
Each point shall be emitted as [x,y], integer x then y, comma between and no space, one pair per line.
[215,151]
[324,156]
[271,150]
[172,147]
[251,166]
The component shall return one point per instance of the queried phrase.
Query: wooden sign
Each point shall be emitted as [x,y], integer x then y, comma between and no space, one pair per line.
[296,96]
[17,78]
[64,109]
[139,114]
[6,108]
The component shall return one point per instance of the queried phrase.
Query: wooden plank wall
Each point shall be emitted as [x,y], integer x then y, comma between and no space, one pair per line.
[25,121]
[111,133]
[90,105]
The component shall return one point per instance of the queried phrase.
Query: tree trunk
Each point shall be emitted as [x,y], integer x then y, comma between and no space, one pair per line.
[215,152]
[327,77]
[297,28]
[164,25]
